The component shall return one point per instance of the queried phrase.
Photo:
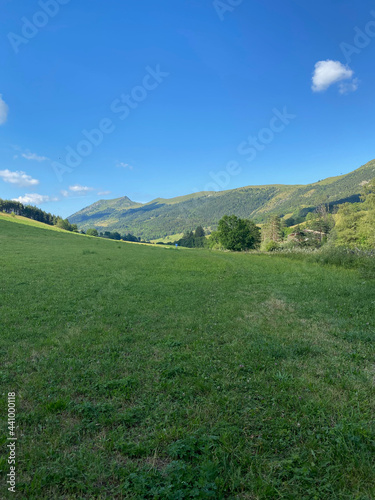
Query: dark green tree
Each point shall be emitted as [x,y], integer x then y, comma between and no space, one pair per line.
[199,232]
[238,234]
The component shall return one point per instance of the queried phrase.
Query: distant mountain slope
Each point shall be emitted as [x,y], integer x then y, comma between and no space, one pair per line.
[162,217]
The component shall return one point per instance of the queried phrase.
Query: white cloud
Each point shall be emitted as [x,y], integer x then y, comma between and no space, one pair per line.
[329,72]
[124,165]
[77,188]
[34,199]
[3,111]
[18,178]
[32,156]
[103,193]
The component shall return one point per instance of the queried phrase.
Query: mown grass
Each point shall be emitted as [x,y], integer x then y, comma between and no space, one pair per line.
[146,372]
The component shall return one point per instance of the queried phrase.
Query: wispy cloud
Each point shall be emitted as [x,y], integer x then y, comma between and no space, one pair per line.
[34,199]
[121,164]
[78,189]
[81,191]
[19,178]
[33,156]
[329,72]
[3,110]
[346,87]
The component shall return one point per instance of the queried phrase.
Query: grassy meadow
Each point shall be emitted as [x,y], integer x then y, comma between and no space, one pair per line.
[145,372]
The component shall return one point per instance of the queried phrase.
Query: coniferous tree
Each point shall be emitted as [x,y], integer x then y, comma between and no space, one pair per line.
[199,232]
[272,230]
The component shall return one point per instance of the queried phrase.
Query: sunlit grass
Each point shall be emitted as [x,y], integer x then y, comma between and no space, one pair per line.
[146,372]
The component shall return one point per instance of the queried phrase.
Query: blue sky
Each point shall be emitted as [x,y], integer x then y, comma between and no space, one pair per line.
[160,99]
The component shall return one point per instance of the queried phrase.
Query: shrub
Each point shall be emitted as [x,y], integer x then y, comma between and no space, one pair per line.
[270,246]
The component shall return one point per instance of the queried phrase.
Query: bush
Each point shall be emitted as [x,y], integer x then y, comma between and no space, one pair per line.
[238,234]
[269,246]
[213,241]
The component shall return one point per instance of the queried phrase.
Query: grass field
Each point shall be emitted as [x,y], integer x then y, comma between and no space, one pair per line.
[155,373]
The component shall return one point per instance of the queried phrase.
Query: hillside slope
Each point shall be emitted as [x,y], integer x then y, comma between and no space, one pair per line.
[18,219]
[162,217]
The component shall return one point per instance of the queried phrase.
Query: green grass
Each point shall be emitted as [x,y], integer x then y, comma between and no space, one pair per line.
[361,260]
[152,373]
[169,239]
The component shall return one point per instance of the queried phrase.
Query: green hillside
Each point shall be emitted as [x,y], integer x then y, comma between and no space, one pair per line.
[162,217]
[141,372]
[29,222]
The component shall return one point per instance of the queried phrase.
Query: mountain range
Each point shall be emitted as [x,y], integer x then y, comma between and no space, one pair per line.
[161,218]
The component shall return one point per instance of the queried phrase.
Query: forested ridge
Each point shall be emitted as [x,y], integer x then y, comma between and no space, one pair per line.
[161,217]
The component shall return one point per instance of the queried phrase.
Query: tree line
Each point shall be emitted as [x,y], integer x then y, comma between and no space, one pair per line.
[113,235]
[35,213]
[233,233]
